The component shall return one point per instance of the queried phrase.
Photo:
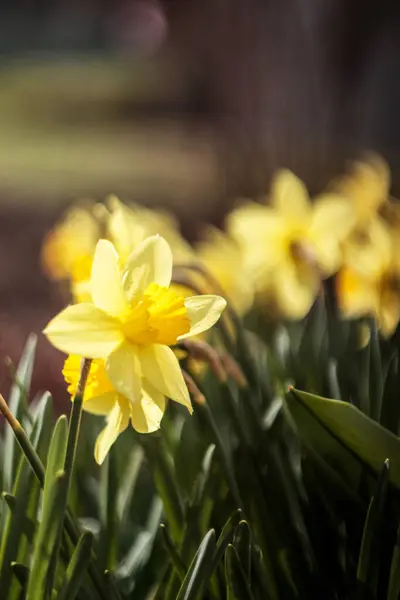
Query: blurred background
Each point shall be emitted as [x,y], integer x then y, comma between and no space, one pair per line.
[184,103]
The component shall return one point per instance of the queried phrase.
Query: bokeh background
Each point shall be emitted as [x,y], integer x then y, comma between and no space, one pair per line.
[185,103]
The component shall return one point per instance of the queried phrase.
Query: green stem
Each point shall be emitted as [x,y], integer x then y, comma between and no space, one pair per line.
[75,419]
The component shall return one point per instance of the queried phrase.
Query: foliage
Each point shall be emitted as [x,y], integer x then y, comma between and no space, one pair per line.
[266,492]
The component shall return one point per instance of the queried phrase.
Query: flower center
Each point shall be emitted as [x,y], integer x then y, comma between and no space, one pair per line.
[302,253]
[160,317]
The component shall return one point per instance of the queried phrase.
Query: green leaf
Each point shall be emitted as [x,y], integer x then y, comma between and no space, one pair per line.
[21,572]
[342,433]
[238,586]
[394,580]
[45,554]
[242,545]
[18,406]
[76,568]
[48,537]
[195,579]
[369,555]
[14,525]
[27,525]
[173,553]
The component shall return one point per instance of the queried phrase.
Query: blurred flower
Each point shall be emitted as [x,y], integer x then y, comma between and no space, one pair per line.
[101,398]
[67,251]
[222,258]
[375,293]
[367,185]
[291,246]
[128,226]
[133,321]
[367,188]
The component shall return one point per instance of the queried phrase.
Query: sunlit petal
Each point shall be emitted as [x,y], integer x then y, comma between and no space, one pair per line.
[296,290]
[85,330]
[357,295]
[117,422]
[106,280]
[100,405]
[151,262]
[146,415]
[332,216]
[161,368]
[290,197]
[203,312]
[123,369]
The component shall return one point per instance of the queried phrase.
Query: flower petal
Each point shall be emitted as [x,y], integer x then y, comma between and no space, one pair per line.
[203,312]
[333,216]
[106,280]
[85,330]
[161,368]
[100,405]
[123,369]
[117,422]
[151,262]
[146,415]
[296,289]
[357,295]
[290,197]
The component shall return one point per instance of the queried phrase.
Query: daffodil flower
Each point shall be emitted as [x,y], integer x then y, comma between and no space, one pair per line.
[290,246]
[132,322]
[222,257]
[101,398]
[366,187]
[67,251]
[362,292]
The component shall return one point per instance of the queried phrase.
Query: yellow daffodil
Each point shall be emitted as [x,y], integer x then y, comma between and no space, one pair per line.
[101,398]
[362,292]
[290,246]
[222,257]
[367,185]
[128,226]
[133,321]
[67,251]
[367,188]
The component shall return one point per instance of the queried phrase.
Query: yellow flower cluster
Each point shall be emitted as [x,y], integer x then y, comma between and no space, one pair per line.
[352,231]
[128,310]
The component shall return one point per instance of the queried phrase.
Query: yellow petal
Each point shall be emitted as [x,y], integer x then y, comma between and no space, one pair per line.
[357,295]
[296,290]
[117,422]
[100,405]
[85,330]
[146,415]
[161,369]
[290,197]
[203,312]
[369,248]
[389,314]
[332,216]
[123,369]
[151,262]
[106,280]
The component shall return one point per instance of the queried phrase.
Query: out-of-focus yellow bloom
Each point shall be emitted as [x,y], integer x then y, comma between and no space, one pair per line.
[367,185]
[67,251]
[221,256]
[367,188]
[133,321]
[128,226]
[101,398]
[290,246]
[365,293]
